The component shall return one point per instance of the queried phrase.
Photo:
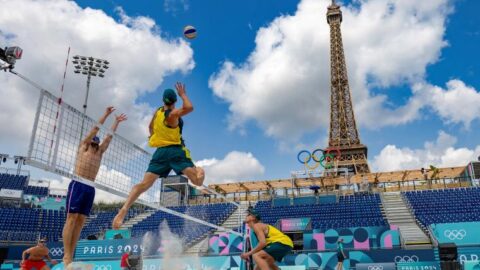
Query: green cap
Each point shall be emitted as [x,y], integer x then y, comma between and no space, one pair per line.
[169,96]
[254,213]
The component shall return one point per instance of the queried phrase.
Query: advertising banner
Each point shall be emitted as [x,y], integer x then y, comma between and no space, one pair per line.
[375,266]
[88,249]
[295,224]
[225,244]
[468,254]
[418,266]
[359,238]
[461,233]
[10,193]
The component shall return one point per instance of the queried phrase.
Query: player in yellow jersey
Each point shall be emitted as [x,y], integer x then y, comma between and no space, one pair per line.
[171,154]
[272,246]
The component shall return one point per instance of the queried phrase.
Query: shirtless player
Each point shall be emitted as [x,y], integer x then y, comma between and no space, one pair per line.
[80,196]
[36,256]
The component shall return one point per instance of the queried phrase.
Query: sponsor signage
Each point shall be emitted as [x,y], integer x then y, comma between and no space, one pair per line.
[468,254]
[11,193]
[418,266]
[295,224]
[375,266]
[471,265]
[88,249]
[462,233]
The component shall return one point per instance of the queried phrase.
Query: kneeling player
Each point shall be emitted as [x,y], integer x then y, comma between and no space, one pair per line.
[272,246]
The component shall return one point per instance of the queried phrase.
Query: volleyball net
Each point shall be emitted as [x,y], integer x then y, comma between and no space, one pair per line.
[54,145]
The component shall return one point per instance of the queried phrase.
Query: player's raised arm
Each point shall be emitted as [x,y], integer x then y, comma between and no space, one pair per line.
[93,132]
[106,142]
[187,106]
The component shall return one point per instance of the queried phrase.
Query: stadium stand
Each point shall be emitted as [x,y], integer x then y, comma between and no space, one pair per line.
[101,221]
[11,181]
[20,182]
[349,211]
[34,190]
[191,232]
[444,205]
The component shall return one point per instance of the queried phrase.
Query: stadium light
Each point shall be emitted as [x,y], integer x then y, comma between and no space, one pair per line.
[3,158]
[89,66]
[9,56]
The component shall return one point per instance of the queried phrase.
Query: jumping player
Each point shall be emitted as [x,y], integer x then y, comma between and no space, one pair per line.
[36,256]
[166,134]
[80,196]
[272,246]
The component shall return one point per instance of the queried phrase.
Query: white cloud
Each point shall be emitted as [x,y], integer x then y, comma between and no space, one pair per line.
[458,103]
[233,167]
[441,153]
[139,58]
[284,84]
[174,6]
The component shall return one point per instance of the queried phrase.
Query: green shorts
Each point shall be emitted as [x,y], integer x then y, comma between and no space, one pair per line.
[167,158]
[277,250]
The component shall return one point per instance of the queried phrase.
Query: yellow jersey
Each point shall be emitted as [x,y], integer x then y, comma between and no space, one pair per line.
[276,236]
[163,135]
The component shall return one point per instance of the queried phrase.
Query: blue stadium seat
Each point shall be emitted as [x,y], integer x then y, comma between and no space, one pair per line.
[349,211]
[444,205]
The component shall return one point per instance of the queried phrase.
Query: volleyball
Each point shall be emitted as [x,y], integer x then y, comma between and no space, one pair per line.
[190,32]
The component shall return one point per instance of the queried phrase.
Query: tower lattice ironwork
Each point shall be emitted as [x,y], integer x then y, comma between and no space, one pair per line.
[343,128]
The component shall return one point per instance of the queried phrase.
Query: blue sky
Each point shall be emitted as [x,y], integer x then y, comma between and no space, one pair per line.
[233,31]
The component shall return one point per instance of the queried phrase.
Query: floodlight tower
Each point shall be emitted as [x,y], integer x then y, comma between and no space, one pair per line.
[89,66]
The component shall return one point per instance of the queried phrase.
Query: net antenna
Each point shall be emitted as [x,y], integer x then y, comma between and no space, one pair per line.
[54,146]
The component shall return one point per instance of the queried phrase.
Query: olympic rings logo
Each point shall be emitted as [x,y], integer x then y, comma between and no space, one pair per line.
[56,251]
[455,234]
[103,267]
[328,156]
[405,259]
[375,267]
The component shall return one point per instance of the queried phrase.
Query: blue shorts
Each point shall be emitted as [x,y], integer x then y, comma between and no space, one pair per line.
[80,198]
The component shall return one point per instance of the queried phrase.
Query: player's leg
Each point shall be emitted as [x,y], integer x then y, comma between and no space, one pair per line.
[72,205]
[261,260]
[158,167]
[148,180]
[67,236]
[77,230]
[195,174]
[45,267]
[181,162]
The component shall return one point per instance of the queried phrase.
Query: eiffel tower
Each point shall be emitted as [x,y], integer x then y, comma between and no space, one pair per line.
[343,128]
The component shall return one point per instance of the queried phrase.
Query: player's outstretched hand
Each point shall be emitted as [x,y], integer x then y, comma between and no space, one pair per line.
[120,118]
[181,90]
[109,110]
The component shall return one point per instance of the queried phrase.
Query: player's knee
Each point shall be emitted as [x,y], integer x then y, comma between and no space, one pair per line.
[71,220]
[257,257]
[142,187]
